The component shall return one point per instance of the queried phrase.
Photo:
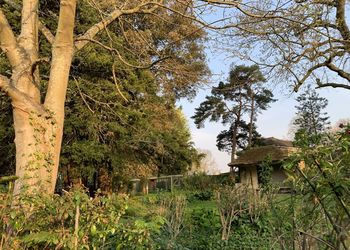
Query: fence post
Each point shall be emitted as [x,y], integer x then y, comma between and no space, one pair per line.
[171,183]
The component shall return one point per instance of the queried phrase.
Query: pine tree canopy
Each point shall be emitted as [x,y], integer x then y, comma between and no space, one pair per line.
[311,117]
[230,102]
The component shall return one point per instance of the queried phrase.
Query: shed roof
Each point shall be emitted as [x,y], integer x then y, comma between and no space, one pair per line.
[277,149]
[276,142]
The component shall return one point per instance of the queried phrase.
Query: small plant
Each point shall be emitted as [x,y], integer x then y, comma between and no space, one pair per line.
[230,201]
[203,195]
[173,210]
[265,170]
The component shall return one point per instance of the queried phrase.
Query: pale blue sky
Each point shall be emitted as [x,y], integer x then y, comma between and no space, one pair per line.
[273,122]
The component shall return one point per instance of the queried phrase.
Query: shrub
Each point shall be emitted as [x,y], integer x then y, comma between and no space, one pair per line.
[173,210]
[72,221]
[198,182]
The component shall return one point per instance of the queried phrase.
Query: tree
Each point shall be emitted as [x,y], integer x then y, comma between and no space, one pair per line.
[310,117]
[303,41]
[224,140]
[38,99]
[230,101]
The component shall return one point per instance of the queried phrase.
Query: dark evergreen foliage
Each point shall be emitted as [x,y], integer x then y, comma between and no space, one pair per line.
[311,117]
[224,139]
[229,102]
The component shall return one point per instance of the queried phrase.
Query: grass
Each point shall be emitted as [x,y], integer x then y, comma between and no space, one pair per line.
[197,204]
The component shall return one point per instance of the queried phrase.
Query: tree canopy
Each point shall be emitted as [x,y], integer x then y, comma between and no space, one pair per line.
[311,118]
[301,42]
[118,64]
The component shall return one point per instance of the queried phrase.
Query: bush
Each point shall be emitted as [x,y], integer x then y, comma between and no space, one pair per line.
[203,182]
[206,195]
[198,182]
[72,221]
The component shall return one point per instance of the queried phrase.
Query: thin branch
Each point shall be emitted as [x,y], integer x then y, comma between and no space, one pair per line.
[110,49]
[81,95]
[318,239]
[327,214]
[82,40]
[339,71]
[222,2]
[116,83]
[331,84]
[47,33]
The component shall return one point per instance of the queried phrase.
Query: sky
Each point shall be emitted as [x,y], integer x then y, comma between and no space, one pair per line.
[273,122]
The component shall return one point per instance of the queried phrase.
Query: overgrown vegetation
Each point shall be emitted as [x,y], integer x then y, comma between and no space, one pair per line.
[88,98]
[320,176]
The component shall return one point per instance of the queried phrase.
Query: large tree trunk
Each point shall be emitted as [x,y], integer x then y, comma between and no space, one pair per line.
[39,126]
[234,142]
[235,130]
[252,113]
[34,142]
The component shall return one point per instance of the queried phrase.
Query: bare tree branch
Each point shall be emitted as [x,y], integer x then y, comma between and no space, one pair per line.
[8,42]
[95,29]
[325,2]
[43,29]
[223,2]
[28,39]
[331,84]
[117,85]
[302,39]
[113,50]
[47,33]
[19,99]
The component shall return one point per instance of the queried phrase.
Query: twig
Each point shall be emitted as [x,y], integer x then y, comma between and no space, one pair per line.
[116,83]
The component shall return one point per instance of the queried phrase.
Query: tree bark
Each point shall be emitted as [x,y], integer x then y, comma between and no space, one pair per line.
[252,112]
[235,130]
[39,130]
[234,141]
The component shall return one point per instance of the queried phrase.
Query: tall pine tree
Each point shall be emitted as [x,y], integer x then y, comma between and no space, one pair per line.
[311,119]
[229,102]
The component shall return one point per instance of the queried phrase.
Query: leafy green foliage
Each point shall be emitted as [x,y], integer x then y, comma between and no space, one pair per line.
[320,173]
[203,195]
[73,220]
[265,170]
[118,222]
